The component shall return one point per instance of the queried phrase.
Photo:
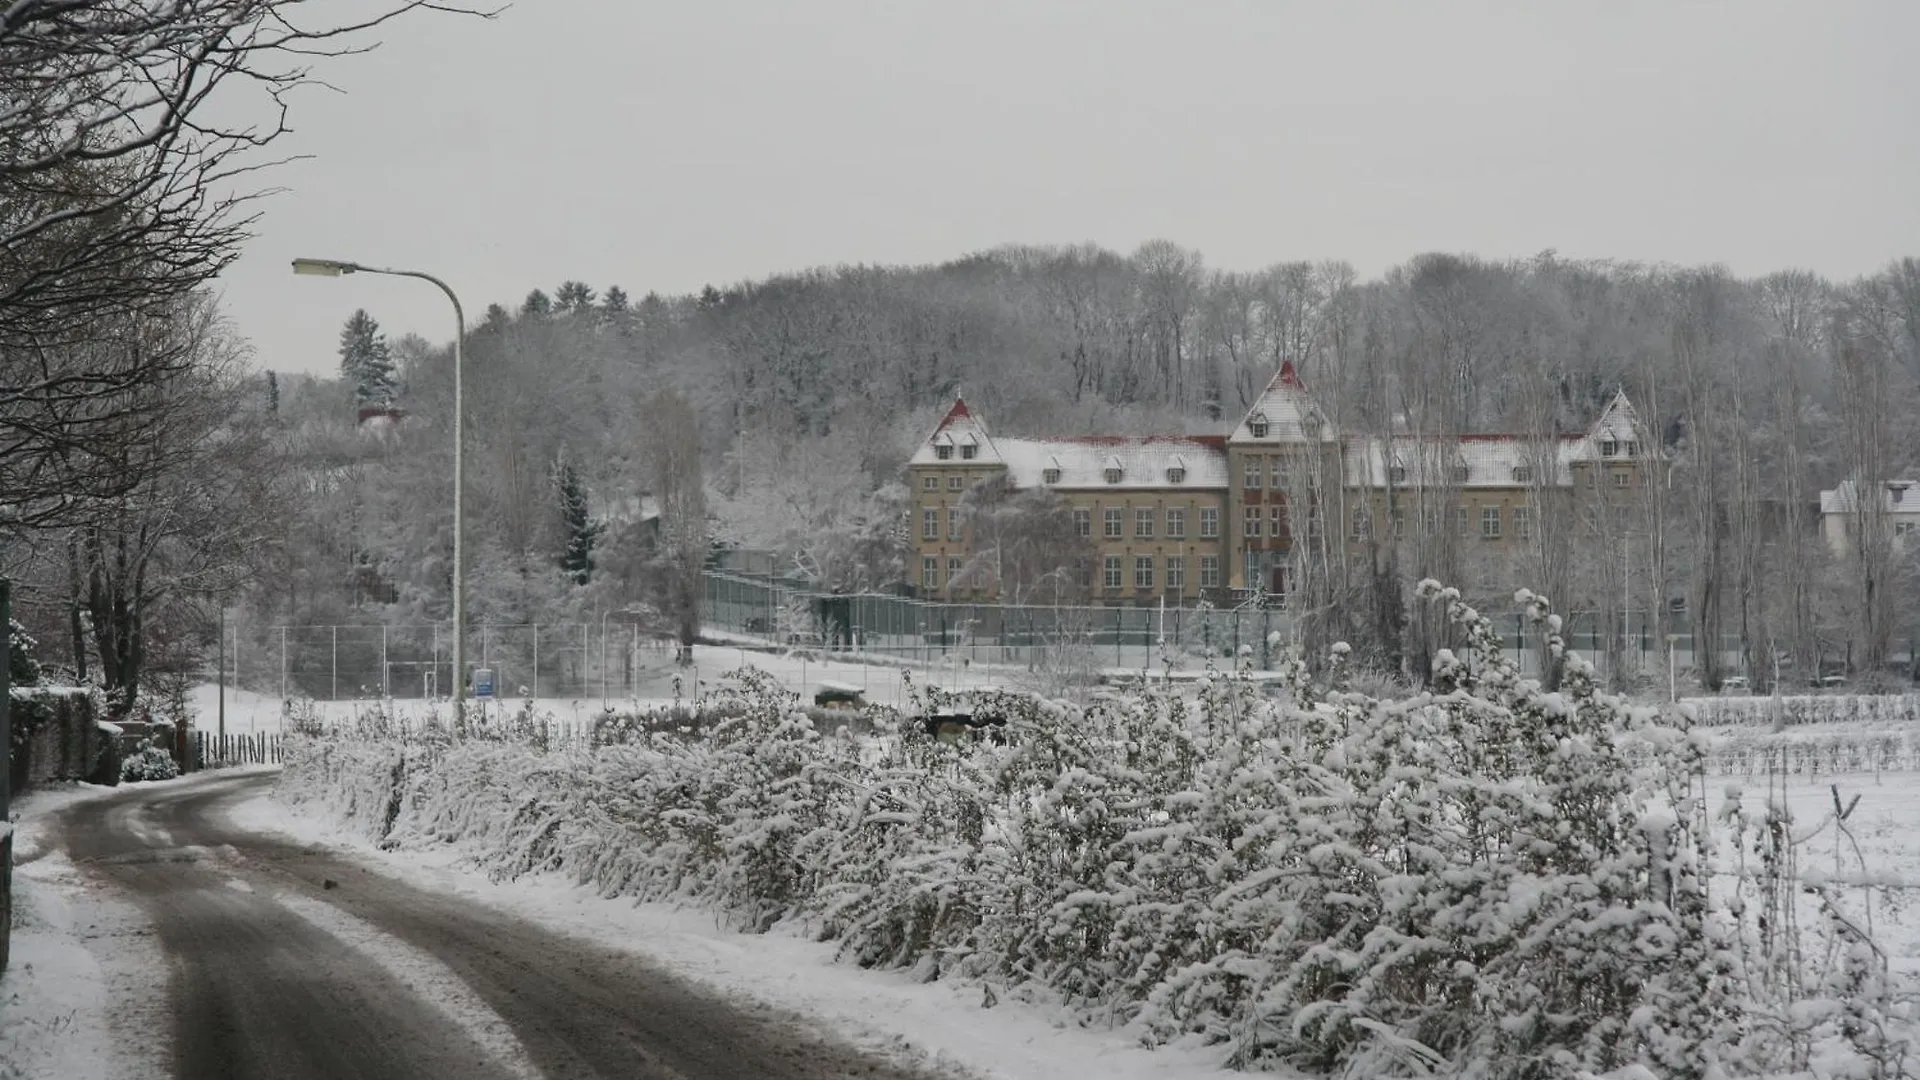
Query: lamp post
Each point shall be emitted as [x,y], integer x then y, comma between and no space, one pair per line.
[337,268]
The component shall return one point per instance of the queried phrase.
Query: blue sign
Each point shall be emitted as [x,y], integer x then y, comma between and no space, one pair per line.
[483,682]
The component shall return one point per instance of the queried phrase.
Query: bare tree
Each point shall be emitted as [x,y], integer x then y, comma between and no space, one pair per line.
[670,438]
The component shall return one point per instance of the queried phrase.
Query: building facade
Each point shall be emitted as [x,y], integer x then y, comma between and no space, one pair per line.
[1844,514]
[1174,518]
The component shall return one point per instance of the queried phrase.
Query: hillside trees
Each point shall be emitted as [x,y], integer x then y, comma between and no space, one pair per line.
[366,361]
[808,391]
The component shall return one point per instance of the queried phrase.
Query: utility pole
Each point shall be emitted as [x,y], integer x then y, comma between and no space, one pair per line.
[222,677]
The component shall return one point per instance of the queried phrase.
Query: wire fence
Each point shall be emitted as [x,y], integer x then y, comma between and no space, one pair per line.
[542,660]
[931,633]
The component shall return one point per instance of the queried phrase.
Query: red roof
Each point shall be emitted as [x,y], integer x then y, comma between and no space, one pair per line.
[1288,376]
[958,412]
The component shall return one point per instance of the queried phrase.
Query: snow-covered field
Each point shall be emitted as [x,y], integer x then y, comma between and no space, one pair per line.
[249,712]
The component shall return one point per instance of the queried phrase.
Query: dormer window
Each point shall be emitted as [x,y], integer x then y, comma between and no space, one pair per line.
[969,451]
[944,451]
[1310,424]
[1523,474]
[1629,448]
[1397,474]
[1609,448]
[1176,475]
[1113,475]
[1050,476]
[1258,425]
[1461,474]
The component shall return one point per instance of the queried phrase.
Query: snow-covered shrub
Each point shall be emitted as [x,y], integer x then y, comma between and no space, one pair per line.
[1482,879]
[151,763]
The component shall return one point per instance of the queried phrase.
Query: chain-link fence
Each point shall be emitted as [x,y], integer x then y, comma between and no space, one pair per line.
[783,612]
[550,660]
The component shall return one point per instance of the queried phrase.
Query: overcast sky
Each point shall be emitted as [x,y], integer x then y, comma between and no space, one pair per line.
[662,146]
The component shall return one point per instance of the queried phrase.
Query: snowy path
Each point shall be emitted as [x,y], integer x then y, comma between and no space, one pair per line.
[278,973]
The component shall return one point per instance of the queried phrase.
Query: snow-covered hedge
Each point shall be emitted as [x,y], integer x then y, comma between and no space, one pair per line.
[1487,879]
[1875,710]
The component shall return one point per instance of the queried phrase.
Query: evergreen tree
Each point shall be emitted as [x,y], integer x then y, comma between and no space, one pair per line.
[615,302]
[574,298]
[581,531]
[273,392]
[366,360]
[536,306]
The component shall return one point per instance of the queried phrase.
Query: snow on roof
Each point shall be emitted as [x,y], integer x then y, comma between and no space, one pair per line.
[1144,461]
[1899,497]
[959,428]
[1491,460]
[1288,412]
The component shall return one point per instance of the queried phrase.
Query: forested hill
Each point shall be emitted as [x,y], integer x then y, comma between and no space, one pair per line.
[807,390]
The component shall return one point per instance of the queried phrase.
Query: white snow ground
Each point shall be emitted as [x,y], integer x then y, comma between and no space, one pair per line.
[85,978]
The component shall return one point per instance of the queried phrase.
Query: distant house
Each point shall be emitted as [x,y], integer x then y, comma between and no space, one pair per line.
[1844,513]
[1180,517]
[380,419]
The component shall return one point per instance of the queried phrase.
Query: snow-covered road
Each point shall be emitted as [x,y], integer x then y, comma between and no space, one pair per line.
[291,961]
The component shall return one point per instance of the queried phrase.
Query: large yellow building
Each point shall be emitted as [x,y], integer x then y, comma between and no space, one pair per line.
[1178,517]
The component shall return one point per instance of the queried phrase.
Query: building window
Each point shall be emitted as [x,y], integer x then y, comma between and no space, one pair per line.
[1461,474]
[1082,522]
[1253,474]
[1110,523]
[956,482]
[1209,522]
[930,524]
[944,452]
[1609,448]
[930,573]
[1258,425]
[1460,520]
[1209,571]
[1273,520]
[1490,522]
[1628,448]
[1113,476]
[1399,523]
[930,483]
[1522,522]
[1252,526]
[1397,474]
[1620,478]
[953,572]
[1313,524]
[1176,573]
[953,523]
[1083,571]
[1143,571]
[1523,474]
[1282,472]
[1903,528]
[1143,523]
[1359,524]
[969,451]
[1110,572]
[1050,476]
[1176,524]
[1176,475]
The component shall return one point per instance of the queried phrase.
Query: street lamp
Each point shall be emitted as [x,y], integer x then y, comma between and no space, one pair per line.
[336,268]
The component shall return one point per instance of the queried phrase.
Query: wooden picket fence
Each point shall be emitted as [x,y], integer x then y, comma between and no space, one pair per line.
[206,750]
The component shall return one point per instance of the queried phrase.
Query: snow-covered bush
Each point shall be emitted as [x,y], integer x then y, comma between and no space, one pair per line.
[151,763]
[1484,879]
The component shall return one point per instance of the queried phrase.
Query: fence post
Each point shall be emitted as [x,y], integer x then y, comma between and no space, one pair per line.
[283,663]
[536,659]
[386,690]
[334,693]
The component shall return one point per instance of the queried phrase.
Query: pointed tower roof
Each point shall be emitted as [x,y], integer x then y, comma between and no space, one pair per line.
[963,434]
[1286,410]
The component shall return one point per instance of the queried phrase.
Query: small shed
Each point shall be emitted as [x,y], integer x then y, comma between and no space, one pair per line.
[838,695]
